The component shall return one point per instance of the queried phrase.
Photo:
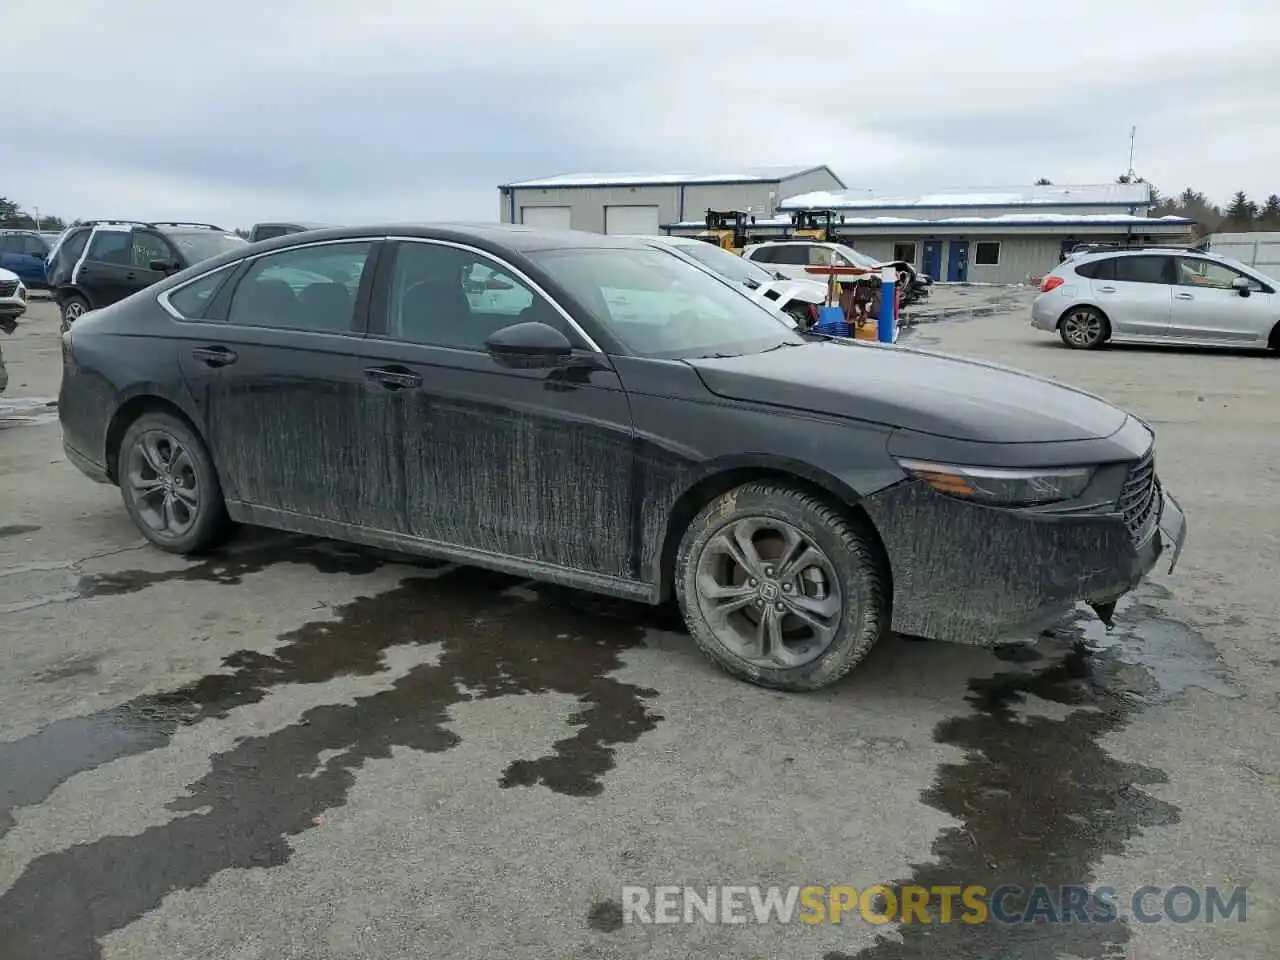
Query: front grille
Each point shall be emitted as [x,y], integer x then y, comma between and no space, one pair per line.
[1140,497]
[8,288]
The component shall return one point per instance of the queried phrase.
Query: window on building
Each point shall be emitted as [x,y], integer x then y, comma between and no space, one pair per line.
[308,288]
[906,252]
[1144,269]
[986,253]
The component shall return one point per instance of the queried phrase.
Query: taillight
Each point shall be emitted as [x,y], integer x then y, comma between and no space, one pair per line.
[1051,283]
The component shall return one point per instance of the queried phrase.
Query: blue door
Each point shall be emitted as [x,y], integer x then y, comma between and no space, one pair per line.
[958,262]
[931,262]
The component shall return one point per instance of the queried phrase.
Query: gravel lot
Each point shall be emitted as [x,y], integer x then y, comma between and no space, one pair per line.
[300,750]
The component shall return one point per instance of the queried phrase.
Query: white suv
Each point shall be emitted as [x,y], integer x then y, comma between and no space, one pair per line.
[1158,295]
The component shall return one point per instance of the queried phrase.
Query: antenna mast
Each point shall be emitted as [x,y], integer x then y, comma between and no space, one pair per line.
[1133,133]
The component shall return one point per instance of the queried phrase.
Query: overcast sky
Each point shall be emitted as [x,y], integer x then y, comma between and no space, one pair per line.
[382,110]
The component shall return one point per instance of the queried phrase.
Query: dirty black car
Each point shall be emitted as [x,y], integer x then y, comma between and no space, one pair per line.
[589,411]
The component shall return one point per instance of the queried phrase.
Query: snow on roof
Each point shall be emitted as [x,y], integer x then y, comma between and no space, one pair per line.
[748,175]
[1103,194]
[1008,219]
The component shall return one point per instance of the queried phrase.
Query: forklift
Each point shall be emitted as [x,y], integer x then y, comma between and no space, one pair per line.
[815,225]
[727,229]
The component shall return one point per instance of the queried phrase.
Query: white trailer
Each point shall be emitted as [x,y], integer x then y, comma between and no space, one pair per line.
[1258,250]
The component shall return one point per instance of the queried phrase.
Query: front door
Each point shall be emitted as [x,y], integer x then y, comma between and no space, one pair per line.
[293,421]
[958,262]
[931,263]
[532,464]
[1207,307]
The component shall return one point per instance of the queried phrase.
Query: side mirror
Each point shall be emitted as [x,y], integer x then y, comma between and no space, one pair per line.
[1241,286]
[529,346]
[162,266]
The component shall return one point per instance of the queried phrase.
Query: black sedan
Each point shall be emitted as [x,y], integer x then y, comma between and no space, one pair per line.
[594,412]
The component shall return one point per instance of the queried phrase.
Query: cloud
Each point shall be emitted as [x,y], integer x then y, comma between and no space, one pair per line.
[387,109]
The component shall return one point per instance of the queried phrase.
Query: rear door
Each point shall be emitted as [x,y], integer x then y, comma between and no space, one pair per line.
[1207,307]
[105,271]
[277,368]
[1135,292]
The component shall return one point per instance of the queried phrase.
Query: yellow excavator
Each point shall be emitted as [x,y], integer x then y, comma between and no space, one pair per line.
[727,229]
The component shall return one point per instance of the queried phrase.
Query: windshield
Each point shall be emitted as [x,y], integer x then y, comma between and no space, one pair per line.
[197,245]
[728,265]
[858,258]
[661,306]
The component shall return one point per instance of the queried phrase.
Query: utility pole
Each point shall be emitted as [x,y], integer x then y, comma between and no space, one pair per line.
[37,210]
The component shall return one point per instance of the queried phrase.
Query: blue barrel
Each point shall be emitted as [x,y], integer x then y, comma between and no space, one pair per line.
[886,329]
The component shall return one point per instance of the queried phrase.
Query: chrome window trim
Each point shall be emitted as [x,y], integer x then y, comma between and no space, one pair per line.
[515,272]
[163,297]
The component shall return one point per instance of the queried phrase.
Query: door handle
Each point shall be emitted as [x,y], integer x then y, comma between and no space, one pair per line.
[215,356]
[1106,289]
[394,378]
[1183,296]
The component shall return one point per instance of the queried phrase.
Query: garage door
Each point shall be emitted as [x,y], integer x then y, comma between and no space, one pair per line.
[549,218]
[638,220]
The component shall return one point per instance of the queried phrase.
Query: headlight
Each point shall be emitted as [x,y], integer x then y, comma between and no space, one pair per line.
[1009,488]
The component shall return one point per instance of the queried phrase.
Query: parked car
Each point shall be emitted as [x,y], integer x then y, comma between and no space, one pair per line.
[1158,295]
[269,231]
[791,258]
[101,261]
[588,410]
[23,252]
[13,304]
[798,299]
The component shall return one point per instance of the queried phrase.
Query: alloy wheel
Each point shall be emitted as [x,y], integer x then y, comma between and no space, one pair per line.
[770,595]
[162,483]
[1083,328]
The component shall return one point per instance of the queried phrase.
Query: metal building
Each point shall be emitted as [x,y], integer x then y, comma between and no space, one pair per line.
[636,203]
[981,235]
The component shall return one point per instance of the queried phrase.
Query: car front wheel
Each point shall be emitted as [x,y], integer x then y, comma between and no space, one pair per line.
[1083,328]
[170,487]
[780,589]
[73,308]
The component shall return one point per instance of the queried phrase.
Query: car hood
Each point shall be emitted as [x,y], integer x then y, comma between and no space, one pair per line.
[911,389]
[784,291]
[7,275]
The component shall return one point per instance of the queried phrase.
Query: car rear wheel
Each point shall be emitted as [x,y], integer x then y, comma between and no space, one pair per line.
[170,487]
[73,308]
[1083,328]
[781,590]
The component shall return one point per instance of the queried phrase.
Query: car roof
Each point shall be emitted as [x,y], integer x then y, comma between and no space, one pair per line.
[516,237]
[1140,251]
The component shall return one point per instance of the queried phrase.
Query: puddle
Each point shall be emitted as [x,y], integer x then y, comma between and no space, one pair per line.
[17,530]
[19,411]
[495,643]
[1039,800]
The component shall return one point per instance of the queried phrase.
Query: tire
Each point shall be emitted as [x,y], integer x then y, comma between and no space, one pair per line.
[1084,328]
[772,514]
[1273,341]
[73,308]
[166,515]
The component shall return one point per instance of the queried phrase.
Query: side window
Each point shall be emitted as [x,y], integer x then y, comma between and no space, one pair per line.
[821,256]
[1205,273]
[193,299]
[10,243]
[1144,269]
[308,288]
[1099,269]
[764,255]
[73,245]
[448,297]
[148,246]
[111,246]
[35,247]
[794,255]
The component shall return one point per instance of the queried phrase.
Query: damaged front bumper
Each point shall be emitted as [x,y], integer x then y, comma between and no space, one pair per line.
[981,575]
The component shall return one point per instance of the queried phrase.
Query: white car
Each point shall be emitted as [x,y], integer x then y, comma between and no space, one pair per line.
[792,258]
[1158,295]
[13,304]
[798,299]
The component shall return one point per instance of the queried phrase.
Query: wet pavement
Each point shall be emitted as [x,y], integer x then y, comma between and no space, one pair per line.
[297,748]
